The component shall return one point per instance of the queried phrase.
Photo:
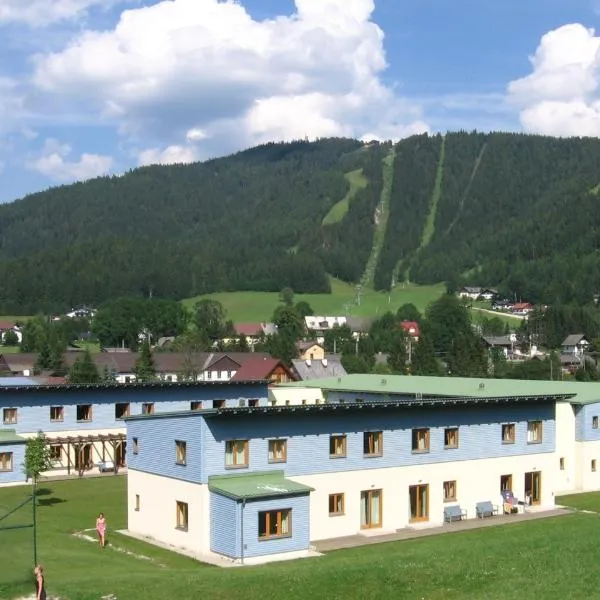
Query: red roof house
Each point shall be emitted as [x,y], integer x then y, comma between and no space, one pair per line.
[260,368]
[411,328]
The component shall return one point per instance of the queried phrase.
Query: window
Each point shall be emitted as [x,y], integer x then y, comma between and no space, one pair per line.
[303,401]
[561,463]
[593,465]
[253,402]
[84,412]
[336,505]
[182,515]
[508,433]
[287,402]
[594,422]
[136,447]
[242,402]
[196,405]
[57,413]
[236,454]
[451,437]
[180,452]
[337,446]
[449,491]
[55,452]
[6,461]
[505,483]
[137,502]
[148,408]
[121,410]
[218,403]
[277,451]
[373,443]
[534,432]
[420,440]
[274,523]
[370,509]
[9,416]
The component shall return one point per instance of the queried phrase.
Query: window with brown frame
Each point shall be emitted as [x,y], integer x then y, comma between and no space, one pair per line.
[6,461]
[9,416]
[136,446]
[277,451]
[84,412]
[337,446]
[180,452]
[236,454]
[373,443]
[336,505]
[55,452]
[181,519]
[594,465]
[274,524]
[196,405]
[253,402]
[449,491]
[57,414]
[534,432]
[420,440]
[148,408]
[218,403]
[594,422]
[121,410]
[508,433]
[451,437]
[561,463]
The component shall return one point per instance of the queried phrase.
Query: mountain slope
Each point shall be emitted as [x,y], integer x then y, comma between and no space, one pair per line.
[513,211]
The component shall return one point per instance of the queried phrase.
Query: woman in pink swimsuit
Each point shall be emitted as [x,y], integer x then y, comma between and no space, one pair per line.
[101,529]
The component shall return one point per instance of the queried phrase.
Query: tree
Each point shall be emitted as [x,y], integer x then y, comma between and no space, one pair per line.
[144,366]
[304,309]
[397,353]
[282,346]
[337,338]
[286,295]
[84,370]
[209,318]
[37,458]
[288,321]
[409,312]
[447,319]
[108,375]
[191,368]
[10,338]
[424,361]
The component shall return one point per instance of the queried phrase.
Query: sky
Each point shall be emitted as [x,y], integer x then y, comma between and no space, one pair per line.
[96,87]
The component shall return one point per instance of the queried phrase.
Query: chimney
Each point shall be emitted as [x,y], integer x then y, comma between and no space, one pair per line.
[324,362]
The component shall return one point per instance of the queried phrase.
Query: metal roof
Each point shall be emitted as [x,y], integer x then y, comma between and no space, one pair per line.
[252,486]
[456,387]
[9,436]
[18,381]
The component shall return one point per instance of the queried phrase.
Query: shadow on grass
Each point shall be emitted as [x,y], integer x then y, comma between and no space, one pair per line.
[50,501]
[43,492]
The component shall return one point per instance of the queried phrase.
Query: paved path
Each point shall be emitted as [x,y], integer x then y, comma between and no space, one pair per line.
[353,541]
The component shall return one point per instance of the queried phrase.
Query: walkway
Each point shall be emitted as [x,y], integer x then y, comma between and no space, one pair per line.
[353,541]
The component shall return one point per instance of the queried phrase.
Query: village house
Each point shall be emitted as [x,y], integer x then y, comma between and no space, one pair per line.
[310,350]
[309,368]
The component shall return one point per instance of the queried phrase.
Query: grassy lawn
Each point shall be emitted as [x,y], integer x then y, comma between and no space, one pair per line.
[259,306]
[588,501]
[550,559]
[338,211]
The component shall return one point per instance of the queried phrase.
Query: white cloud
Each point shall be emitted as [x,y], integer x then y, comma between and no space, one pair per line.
[40,13]
[169,156]
[203,72]
[561,96]
[53,163]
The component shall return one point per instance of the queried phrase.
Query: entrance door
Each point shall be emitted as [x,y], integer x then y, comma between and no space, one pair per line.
[419,503]
[533,486]
[505,483]
[120,453]
[83,457]
[370,509]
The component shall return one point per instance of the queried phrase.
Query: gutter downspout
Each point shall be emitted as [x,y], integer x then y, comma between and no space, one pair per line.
[242,534]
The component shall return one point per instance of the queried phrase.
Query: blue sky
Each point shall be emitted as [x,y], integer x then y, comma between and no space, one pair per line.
[90,87]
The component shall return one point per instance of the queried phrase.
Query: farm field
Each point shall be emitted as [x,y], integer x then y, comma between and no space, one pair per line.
[551,559]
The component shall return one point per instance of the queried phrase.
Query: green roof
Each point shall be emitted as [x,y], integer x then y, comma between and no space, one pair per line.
[9,436]
[464,387]
[255,485]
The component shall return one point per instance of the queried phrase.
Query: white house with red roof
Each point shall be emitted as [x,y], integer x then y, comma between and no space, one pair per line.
[412,329]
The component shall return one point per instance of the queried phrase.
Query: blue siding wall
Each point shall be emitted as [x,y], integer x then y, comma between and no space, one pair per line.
[300,538]
[480,436]
[584,430]
[33,407]
[18,458]
[156,446]
[225,532]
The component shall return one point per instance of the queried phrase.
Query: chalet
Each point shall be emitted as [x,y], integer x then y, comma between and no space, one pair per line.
[522,308]
[575,344]
[506,343]
[412,329]
[317,369]
[359,326]
[263,368]
[310,350]
[477,293]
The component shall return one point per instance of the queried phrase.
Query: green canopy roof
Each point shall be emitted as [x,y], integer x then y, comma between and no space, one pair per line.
[9,436]
[256,485]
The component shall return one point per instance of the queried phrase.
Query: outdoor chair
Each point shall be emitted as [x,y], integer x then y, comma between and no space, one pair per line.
[485,509]
[454,513]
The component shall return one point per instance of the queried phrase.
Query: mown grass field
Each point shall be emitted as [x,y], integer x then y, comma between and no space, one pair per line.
[550,559]
[259,306]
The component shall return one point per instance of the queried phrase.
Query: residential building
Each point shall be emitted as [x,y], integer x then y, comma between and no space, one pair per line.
[264,369]
[84,424]
[382,454]
[575,344]
[6,326]
[412,329]
[310,350]
[318,369]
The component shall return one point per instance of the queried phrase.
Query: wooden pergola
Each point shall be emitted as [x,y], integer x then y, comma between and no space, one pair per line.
[78,443]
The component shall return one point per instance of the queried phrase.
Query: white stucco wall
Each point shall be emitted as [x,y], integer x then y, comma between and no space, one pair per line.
[282,396]
[477,481]
[156,518]
[587,480]
[569,478]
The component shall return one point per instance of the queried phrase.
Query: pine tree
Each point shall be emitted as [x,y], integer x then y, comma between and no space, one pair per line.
[84,370]
[424,361]
[144,366]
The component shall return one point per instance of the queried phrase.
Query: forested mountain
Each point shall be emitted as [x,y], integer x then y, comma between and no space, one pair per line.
[517,212]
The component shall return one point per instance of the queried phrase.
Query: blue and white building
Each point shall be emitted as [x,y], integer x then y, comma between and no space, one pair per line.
[85,424]
[381,454]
